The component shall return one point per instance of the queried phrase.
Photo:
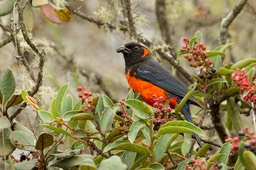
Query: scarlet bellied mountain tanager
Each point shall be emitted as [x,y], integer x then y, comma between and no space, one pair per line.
[147,77]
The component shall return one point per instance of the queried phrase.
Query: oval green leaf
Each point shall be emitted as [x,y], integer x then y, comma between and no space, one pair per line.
[134,130]
[180,127]
[243,63]
[44,115]
[163,142]
[44,141]
[139,108]
[250,159]
[69,114]
[112,163]
[59,99]
[123,145]
[82,116]
[214,53]
[7,85]
[107,119]
[56,130]
[6,142]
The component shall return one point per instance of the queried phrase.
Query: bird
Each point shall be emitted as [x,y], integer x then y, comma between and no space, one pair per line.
[148,77]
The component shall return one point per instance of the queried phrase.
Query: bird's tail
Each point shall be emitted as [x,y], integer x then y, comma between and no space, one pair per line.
[186,112]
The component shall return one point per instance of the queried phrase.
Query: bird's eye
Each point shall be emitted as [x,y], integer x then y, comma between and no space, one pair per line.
[136,48]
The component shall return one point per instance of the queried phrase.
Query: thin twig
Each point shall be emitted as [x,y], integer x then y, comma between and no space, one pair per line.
[226,21]
[210,142]
[40,53]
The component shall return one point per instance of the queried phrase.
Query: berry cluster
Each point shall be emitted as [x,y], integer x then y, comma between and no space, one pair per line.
[246,135]
[162,114]
[197,56]
[200,164]
[248,87]
[86,98]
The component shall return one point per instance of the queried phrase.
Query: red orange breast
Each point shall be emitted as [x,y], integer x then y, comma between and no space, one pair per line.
[147,90]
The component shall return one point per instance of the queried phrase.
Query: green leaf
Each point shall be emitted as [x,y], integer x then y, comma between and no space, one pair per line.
[213,159]
[67,104]
[192,41]
[6,6]
[107,102]
[56,130]
[186,144]
[233,90]
[28,16]
[238,165]
[78,106]
[44,141]
[53,109]
[84,160]
[146,133]
[139,162]
[225,151]
[59,99]
[250,159]
[8,146]
[243,63]
[139,108]
[99,107]
[241,155]
[25,165]
[14,100]
[217,81]
[135,128]
[223,47]
[82,116]
[80,133]
[19,126]
[225,71]
[7,85]
[4,122]
[217,61]
[107,119]
[202,151]
[112,163]
[234,114]
[128,158]
[214,53]
[198,36]
[44,115]
[23,140]
[156,166]
[123,145]
[180,127]
[185,98]
[130,95]
[162,144]
[69,114]
[115,134]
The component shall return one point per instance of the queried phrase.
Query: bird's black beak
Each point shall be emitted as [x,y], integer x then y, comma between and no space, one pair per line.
[124,50]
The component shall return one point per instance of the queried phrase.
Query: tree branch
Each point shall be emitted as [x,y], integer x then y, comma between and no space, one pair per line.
[226,21]
[40,53]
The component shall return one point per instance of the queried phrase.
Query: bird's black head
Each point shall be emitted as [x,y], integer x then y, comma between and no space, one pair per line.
[133,53]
